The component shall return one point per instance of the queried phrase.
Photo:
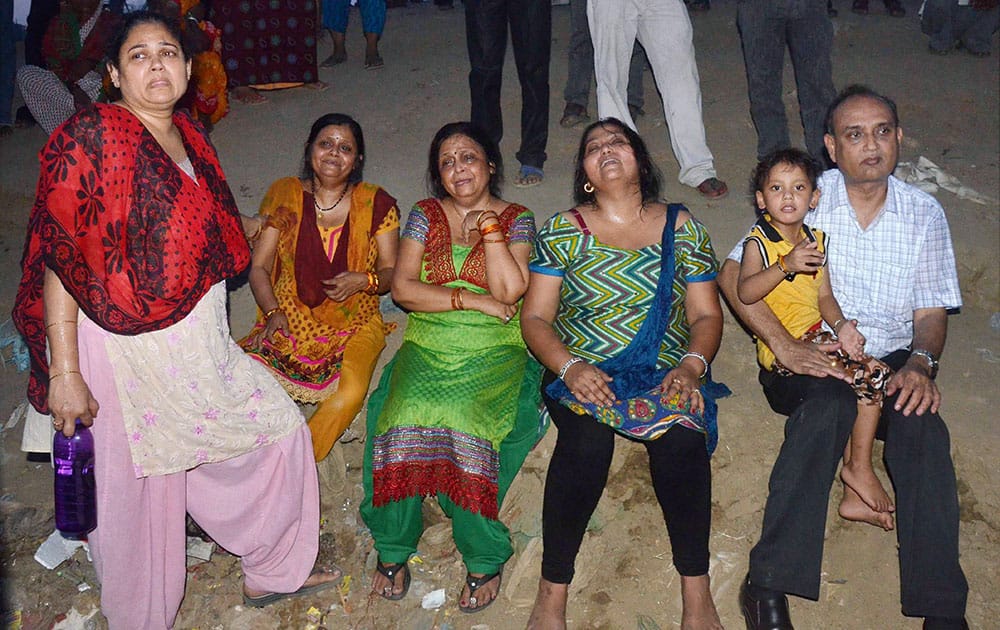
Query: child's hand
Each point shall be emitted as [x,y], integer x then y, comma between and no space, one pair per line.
[805,257]
[851,339]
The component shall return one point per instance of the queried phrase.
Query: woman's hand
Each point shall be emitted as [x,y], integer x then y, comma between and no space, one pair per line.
[488,305]
[589,384]
[684,382]
[344,285]
[69,399]
[277,321]
[470,222]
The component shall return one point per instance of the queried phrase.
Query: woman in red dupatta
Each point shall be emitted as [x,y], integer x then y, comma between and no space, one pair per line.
[122,303]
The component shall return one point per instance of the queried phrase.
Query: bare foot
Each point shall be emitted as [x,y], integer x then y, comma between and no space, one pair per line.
[483,595]
[335,58]
[248,95]
[699,611]
[861,478]
[549,612]
[381,585]
[323,576]
[853,508]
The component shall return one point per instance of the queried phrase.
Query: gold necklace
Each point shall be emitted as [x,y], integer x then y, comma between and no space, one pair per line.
[339,199]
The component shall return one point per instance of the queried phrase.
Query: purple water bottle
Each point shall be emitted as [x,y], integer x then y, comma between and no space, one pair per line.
[76,499]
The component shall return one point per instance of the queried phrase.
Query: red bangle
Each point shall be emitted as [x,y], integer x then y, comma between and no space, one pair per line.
[490,229]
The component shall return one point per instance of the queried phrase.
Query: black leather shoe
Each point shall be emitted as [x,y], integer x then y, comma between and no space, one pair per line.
[945,623]
[764,609]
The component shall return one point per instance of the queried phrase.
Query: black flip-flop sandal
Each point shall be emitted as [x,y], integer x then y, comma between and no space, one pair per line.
[476,583]
[389,571]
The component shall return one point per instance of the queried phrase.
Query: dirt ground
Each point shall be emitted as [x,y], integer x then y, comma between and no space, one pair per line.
[949,111]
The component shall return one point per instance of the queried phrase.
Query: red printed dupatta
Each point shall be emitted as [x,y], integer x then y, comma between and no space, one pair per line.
[438,262]
[135,241]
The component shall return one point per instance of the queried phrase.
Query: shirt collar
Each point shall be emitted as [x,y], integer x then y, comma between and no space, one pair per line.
[772,234]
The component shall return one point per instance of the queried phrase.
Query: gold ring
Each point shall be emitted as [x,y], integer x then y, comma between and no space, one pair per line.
[833,363]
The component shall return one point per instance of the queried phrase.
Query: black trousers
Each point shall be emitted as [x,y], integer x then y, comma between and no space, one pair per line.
[821,414]
[578,472]
[530,23]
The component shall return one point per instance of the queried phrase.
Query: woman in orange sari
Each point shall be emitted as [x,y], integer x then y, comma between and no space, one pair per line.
[326,253]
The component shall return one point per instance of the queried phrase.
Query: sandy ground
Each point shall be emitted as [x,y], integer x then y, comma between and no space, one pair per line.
[949,110]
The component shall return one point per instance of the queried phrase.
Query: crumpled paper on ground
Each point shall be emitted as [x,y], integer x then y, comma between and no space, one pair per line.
[928,177]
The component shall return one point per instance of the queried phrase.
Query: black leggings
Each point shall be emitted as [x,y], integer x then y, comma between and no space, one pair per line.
[578,472]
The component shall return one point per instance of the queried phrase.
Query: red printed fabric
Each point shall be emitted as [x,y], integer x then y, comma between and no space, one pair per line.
[134,240]
[437,249]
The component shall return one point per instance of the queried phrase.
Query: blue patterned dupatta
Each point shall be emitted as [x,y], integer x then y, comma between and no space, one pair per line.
[642,410]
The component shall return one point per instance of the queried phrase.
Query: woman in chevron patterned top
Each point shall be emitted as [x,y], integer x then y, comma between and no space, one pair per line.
[623,312]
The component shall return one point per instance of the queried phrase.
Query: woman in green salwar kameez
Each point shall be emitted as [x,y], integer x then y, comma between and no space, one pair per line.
[456,411]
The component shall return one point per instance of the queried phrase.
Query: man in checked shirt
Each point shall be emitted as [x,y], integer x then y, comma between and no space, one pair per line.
[892,268]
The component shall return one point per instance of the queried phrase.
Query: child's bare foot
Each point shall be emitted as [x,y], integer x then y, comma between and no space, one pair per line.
[549,612]
[861,478]
[699,611]
[853,508]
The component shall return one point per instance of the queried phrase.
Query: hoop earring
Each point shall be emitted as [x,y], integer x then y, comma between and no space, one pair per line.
[588,188]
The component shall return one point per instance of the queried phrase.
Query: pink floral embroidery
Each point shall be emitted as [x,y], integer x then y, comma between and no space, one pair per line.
[131,386]
[257,394]
[136,437]
[198,429]
[193,386]
[150,418]
[173,338]
[172,371]
[261,439]
[252,415]
[201,456]
[212,414]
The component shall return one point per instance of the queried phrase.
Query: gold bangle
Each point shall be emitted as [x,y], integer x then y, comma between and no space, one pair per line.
[62,321]
[271,312]
[58,374]
[456,300]
[485,216]
[490,229]
[373,283]
[494,240]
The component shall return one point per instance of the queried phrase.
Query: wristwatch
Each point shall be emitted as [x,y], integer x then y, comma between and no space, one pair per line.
[932,363]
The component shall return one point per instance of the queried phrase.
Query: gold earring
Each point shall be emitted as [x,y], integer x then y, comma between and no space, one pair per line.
[588,188]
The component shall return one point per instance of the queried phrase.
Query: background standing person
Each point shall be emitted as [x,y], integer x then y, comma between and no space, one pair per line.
[267,46]
[622,309]
[952,25]
[530,22]
[767,28]
[8,59]
[664,30]
[132,237]
[326,254]
[335,16]
[893,270]
[580,73]
[456,411]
